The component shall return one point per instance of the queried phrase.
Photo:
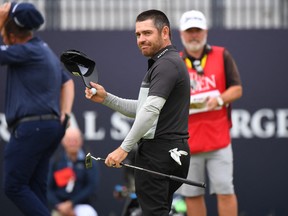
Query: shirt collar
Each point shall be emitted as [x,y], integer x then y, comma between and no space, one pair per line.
[159,54]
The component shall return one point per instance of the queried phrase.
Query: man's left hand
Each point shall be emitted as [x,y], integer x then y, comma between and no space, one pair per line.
[211,103]
[116,157]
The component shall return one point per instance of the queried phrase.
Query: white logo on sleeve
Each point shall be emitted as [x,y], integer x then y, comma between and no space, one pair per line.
[175,154]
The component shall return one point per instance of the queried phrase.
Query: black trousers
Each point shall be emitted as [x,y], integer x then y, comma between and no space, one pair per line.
[154,192]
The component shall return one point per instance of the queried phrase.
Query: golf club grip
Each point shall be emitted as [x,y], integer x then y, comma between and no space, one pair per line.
[186,181]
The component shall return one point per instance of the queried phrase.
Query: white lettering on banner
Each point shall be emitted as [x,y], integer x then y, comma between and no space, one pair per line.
[90,132]
[120,126]
[263,123]
[241,120]
[282,116]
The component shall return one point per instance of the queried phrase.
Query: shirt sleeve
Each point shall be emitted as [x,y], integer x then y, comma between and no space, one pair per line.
[13,54]
[144,120]
[231,70]
[126,107]
[65,76]
[163,79]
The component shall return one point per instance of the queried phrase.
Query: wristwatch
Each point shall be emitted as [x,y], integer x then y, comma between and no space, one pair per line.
[220,101]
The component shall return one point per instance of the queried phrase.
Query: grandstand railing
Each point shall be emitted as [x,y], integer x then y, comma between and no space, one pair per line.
[121,14]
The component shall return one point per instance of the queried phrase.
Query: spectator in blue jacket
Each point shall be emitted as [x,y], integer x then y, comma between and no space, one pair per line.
[70,185]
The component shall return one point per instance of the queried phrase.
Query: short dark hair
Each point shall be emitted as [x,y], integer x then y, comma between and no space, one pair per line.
[11,27]
[159,18]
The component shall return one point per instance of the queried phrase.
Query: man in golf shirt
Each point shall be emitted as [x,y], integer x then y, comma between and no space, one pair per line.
[161,116]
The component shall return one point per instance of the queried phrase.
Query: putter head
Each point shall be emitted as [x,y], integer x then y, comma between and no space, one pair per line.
[88,161]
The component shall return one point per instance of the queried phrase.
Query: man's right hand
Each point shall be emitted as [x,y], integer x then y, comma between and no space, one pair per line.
[99,97]
[4,11]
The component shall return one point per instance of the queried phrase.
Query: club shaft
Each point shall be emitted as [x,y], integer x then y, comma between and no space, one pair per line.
[175,178]
[172,177]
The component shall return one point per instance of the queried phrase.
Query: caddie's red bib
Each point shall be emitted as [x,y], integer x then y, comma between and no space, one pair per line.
[208,130]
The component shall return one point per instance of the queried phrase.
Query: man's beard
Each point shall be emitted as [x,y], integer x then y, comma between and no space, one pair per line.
[194,47]
[153,48]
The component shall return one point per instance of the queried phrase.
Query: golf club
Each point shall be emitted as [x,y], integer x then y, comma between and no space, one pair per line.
[88,164]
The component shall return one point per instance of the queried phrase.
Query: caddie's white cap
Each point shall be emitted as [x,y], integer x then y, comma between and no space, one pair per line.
[193,19]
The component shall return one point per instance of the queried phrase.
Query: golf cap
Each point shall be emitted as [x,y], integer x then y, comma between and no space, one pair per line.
[25,15]
[193,19]
[81,65]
